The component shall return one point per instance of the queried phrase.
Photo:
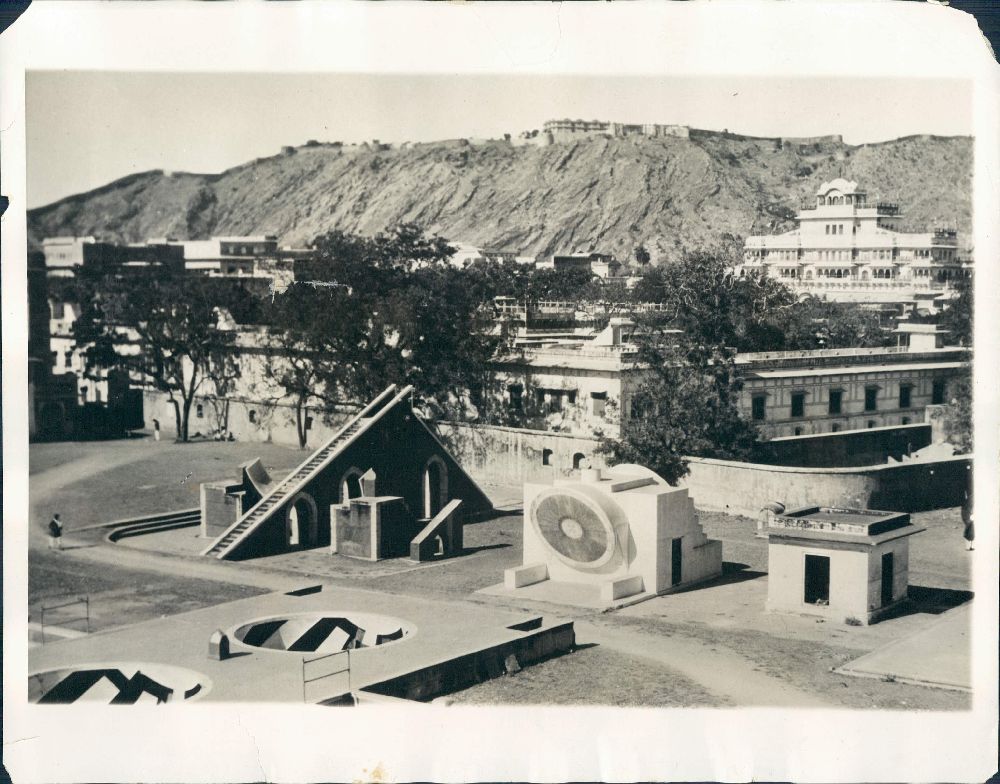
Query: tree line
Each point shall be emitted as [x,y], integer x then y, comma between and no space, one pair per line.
[370,311]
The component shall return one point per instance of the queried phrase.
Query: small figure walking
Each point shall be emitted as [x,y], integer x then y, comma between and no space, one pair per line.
[970,530]
[55,532]
[156,429]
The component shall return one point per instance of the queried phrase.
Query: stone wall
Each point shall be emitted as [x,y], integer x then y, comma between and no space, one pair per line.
[270,423]
[508,455]
[846,449]
[511,456]
[219,510]
[744,488]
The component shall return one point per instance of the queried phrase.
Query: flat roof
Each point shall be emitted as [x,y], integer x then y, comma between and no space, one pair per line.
[841,369]
[853,516]
[835,537]
[838,523]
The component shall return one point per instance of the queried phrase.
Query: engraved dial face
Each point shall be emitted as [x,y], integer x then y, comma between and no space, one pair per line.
[574,526]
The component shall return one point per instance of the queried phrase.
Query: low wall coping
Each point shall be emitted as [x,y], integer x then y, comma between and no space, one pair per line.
[519,430]
[840,470]
[841,433]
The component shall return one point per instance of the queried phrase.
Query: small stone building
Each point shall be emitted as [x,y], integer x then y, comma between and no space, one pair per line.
[611,534]
[838,563]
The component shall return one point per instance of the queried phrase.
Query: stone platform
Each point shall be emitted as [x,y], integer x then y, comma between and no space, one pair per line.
[937,655]
[447,646]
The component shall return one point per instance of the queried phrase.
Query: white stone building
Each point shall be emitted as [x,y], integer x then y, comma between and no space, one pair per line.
[851,250]
[240,257]
[585,387]
[792,393]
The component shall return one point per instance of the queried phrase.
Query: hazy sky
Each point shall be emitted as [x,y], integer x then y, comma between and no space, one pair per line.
[85,129]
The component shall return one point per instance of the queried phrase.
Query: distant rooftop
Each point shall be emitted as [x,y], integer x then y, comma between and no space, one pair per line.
[839,184]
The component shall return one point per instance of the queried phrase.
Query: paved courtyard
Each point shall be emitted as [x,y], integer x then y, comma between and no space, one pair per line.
[711,646]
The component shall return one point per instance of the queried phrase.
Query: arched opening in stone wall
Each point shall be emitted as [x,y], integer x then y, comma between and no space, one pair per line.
[435,486]
[350,485]
[301,522]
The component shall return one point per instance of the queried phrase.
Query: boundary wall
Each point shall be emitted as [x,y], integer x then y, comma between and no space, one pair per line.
[493,454]
[846,448]
[510,455]
[272,422]
[745,488]
[507,455]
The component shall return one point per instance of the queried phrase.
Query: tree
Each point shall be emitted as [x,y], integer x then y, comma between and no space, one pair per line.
[712,306]
[442,341]
[527,284]
[755,312]
[159,326]
[313,349]
[957,317]
[814,323]
[224,373]
[686,405]
[641,254]
[407,316]
[960,424]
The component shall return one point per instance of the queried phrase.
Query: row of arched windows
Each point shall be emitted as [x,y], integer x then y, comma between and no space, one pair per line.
[579,459]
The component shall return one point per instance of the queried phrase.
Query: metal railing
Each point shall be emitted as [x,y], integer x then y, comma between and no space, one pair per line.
[49,608]
[507,306]
[337,664]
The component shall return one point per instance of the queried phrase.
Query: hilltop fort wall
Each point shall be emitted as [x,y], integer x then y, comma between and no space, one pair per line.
[571,130]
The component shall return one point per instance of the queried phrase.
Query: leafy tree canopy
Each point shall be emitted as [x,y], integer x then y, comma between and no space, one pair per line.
[753,313]
[686,405]
[957,317]
[164,328]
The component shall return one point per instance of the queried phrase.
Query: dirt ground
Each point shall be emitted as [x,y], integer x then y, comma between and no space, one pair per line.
[593,675]
[118,596]
[713,646]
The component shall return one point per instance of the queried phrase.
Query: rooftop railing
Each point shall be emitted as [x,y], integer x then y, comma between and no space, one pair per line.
[765,356]
[842,284]
[622,351]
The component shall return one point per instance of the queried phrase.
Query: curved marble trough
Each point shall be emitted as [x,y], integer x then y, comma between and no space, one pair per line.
[116,683]
[324,632]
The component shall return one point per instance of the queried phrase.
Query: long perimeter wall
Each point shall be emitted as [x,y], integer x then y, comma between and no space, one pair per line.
[505,455]
[512,456]
[744,488]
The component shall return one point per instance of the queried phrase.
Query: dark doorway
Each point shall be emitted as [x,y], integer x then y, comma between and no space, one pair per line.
[817,579]
[888,570]
[435,488]
[351,488]
[675,562]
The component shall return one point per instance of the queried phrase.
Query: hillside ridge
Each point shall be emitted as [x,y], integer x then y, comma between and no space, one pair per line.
[594,193]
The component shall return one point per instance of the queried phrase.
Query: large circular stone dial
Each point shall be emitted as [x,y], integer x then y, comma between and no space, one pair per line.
[574,526]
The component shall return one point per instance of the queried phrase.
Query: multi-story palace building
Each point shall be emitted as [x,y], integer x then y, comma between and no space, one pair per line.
[850,250]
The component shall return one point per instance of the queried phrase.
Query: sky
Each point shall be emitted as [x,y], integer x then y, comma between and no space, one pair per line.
[87,128]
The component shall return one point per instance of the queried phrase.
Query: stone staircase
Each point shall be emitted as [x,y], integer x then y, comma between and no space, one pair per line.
[292,483]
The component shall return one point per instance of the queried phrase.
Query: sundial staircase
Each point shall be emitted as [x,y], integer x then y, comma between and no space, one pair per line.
[261,512]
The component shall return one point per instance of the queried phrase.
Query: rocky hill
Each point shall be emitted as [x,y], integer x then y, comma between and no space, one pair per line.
[598,193]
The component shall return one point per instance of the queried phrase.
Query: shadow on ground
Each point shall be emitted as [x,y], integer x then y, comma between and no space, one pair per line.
[924,599]
[732,572]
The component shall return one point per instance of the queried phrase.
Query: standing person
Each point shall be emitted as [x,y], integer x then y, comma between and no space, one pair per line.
[55,532]
[156,429]
[969,534]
